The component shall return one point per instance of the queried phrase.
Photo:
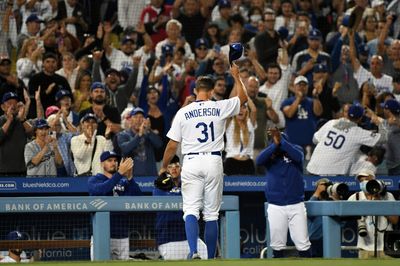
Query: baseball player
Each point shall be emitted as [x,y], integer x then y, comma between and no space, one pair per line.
[339,141]
[200,128]
[285,194]
[116,180]
[170,228]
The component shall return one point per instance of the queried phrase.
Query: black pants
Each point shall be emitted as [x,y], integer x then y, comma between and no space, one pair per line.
[236,167]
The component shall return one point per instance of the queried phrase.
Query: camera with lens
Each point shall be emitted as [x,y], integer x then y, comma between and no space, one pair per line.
[340,189]
[362,227]
[374,187]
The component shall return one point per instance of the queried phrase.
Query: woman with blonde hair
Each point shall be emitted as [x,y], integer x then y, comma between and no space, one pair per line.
[82,91]
[29,60]
[239,144]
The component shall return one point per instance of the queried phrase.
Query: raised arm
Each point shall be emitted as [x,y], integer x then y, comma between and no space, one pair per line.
[239,86]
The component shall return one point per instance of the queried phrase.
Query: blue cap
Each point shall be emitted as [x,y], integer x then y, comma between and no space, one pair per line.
[224,4]
[356,111]
[108,154]
[41,123]
[97,85]
[8,96]
[363,49]
[235,52]
[283,32]
[315,34]
[88,116]
[346,20]
[320,68]
[111,71]
[137,110]
[392,105]
[127,39]
[33,18]
[167,49]
[61,94]
[201,42]
[14,235]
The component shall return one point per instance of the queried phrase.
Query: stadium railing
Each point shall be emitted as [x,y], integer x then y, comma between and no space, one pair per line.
[101,207]
[330,210]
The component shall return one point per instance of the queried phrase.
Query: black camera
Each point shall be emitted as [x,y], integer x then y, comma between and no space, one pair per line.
[374,187]
[362,227]
[340,189]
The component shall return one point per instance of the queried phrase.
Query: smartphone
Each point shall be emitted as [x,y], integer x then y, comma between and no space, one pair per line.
[217,48]
[40,43]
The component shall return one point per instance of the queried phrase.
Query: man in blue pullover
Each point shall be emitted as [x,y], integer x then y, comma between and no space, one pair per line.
[115,181]
[285,194]
[170,227]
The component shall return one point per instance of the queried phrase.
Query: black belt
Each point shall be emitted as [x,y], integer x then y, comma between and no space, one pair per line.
[218,153]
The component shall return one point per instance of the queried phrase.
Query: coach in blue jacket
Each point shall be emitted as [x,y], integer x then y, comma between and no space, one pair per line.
[285,194]
[116,181]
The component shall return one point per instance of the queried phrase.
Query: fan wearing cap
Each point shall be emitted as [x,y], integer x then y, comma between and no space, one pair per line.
[14,131]
[48,81]
[366,244]
[174,38]
[16,255]
[32,24]
[108,117]
[301,114]
[42,155]
[140,143]
[304,61]
[339,141]
[64,101]
[87,147]
[374,75]
[119,58]
[170,228]
[115,179]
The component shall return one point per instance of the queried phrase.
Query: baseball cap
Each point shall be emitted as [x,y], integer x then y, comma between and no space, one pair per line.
[111,71]
[363,49]
[224,4]
[127,39]
[283,32]
[320,68]
[365,172]
[108,154]
[376,3]
[50,55]
[356,111]
[137,110]
[8,96]
[346,20]
[392,105]
[299,79]
[314,34]
[14,235]
[97,85]
[51,110]
[5,59]
[88,116]
[322,181]
[167,49]
[201,42]
[41,123]
[235,51]
[33,18]
[61,94]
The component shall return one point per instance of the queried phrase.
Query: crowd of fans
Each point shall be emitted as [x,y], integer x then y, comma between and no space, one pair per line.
[92,76]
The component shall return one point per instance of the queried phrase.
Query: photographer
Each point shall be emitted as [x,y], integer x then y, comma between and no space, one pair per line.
[325,190]
[370,227]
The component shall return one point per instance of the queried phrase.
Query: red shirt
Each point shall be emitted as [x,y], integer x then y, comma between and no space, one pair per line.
[149,17]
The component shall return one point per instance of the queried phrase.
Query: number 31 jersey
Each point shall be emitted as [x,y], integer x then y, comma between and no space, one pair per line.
[200,126]
[338,148]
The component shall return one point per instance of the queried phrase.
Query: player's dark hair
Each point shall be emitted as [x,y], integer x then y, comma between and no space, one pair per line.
[204,83]
[379,153]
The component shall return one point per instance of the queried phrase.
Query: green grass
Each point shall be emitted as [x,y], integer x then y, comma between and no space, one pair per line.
[244,262]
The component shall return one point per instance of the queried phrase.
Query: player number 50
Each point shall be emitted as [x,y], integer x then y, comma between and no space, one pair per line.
[204,131]
[334,139]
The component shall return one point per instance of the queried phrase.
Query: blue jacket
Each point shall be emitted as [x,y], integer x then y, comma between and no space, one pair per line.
[285,185]
[170,226]
[117,185]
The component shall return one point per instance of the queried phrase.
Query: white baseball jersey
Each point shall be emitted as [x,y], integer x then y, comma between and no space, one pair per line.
[200,126]
[338,145]
[120,60]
